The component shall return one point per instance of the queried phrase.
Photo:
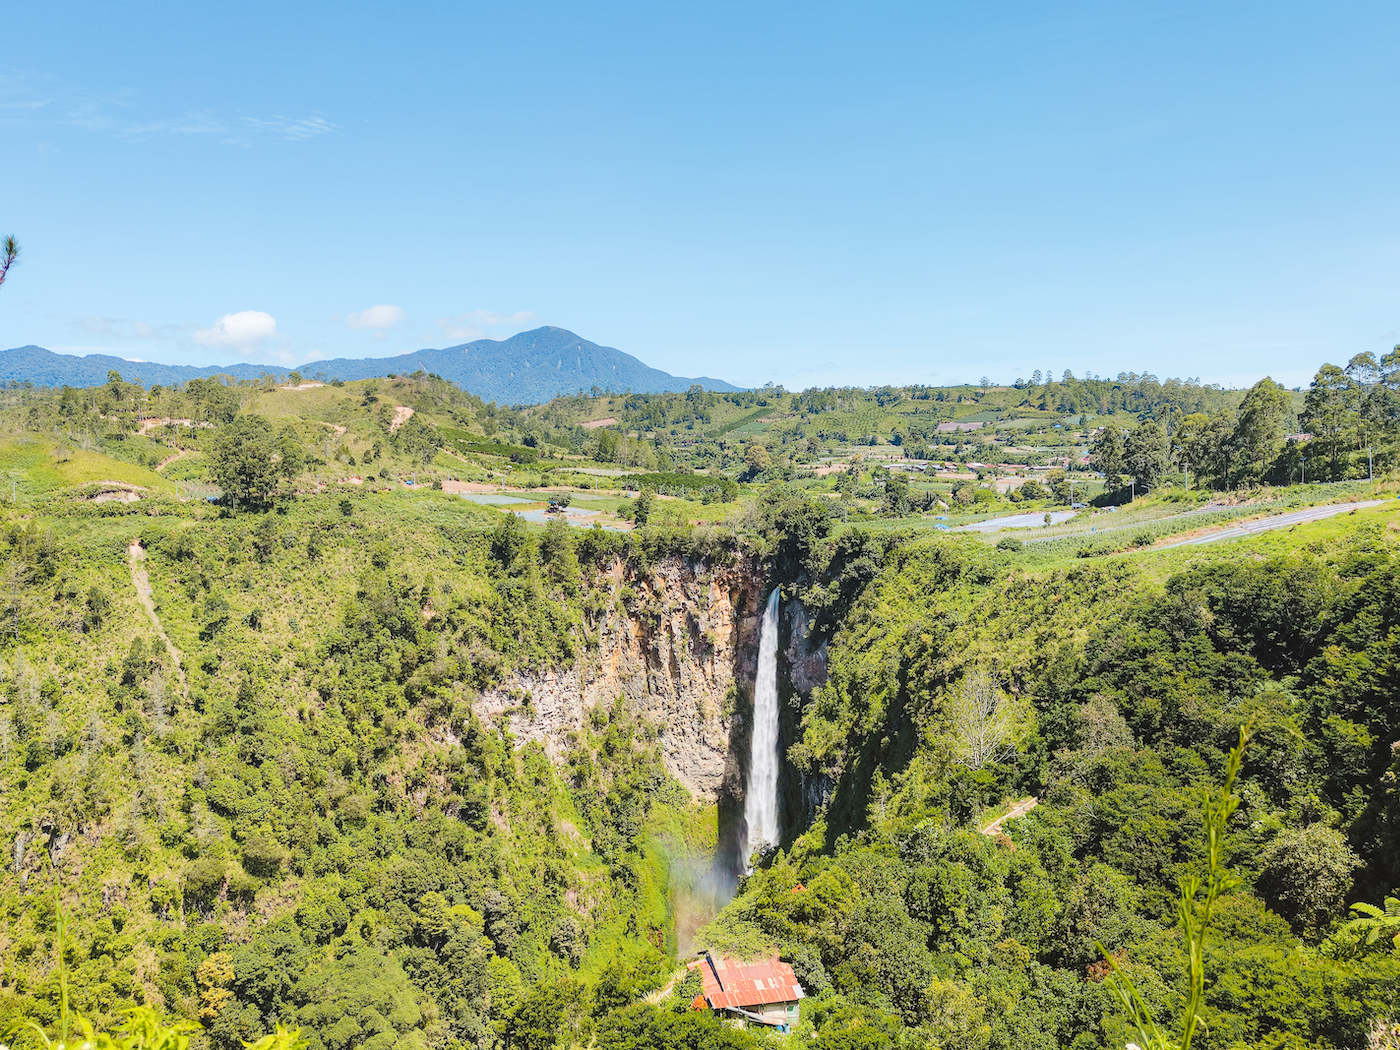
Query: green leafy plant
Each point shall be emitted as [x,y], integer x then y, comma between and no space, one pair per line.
[1197,901]
[141,1028]
[1373,929]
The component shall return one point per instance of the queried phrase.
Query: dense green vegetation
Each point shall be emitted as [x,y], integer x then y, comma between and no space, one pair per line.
[1115,699]
[305,802]
[268,799]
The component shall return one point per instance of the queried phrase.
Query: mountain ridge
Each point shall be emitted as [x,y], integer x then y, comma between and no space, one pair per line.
[527,368]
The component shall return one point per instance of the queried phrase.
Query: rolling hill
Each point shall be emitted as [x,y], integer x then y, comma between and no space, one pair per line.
[527,368]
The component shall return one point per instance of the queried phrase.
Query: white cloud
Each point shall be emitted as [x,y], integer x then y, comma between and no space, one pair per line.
[291,127]
[474,324]
[29,100]
[243,331]
[377,318]
[122,328]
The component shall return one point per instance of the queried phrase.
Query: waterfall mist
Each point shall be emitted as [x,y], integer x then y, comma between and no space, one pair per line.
[761,797]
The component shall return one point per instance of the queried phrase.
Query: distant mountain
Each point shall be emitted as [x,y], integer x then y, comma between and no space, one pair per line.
[525,369]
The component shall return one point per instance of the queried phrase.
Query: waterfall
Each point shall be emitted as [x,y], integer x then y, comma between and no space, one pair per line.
[761,798]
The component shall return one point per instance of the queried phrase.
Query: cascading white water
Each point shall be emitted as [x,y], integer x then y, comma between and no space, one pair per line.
[761,798]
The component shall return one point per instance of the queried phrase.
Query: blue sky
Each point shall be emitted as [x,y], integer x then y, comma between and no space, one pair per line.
[804,193]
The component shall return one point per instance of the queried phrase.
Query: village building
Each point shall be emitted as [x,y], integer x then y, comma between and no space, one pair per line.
[765,993]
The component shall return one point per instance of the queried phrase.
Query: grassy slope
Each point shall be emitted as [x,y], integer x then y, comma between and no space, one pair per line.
[34,462]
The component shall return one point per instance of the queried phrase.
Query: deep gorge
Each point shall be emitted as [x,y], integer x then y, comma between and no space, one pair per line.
[679,642]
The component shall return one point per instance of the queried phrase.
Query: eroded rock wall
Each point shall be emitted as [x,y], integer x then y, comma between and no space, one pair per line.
[678,641]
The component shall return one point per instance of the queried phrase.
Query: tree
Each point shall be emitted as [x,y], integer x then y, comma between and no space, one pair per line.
[1330,414]
[363,999]
[214,976]
[1380,409]
[1306,873]
[9,252]
[415,438]
[1101,727]
[1258,434]
[984,722]
[1109,455]
[289,448]
[1032,489]
[509,541]
[757,458]
[847,481]
[1148,453]
[547,1011]
[1363,369]
[1206,444]
[247,461]
[557,554]
[896,502]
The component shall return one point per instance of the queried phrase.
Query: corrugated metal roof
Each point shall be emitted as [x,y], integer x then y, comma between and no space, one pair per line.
[731,983]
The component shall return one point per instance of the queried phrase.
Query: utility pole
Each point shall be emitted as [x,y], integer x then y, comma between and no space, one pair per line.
[1304,460]
[1370,467]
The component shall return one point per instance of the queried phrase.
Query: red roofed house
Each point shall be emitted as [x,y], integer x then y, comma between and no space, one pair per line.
[765,993]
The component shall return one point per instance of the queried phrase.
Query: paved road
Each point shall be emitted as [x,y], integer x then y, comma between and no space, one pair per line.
[1032,520]
[1281,521]
[1102,530]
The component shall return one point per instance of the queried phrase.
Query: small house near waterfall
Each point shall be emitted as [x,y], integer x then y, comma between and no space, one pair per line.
[765,993]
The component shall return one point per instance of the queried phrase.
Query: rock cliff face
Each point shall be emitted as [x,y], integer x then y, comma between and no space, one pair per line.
[679,642]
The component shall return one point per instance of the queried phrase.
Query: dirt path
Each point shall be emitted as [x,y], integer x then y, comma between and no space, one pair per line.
[171,459]
[1019,810]
[448,452]
[655,998]
[142,582]
[339,430]
[402,414]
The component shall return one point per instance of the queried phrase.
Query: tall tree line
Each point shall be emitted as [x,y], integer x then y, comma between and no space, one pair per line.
[1348,428]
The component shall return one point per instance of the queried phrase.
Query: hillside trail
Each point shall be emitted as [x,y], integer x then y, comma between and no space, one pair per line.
[142,582]
[340,431]
[659,995]
[448,452]
[170,459]
[1019,810]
